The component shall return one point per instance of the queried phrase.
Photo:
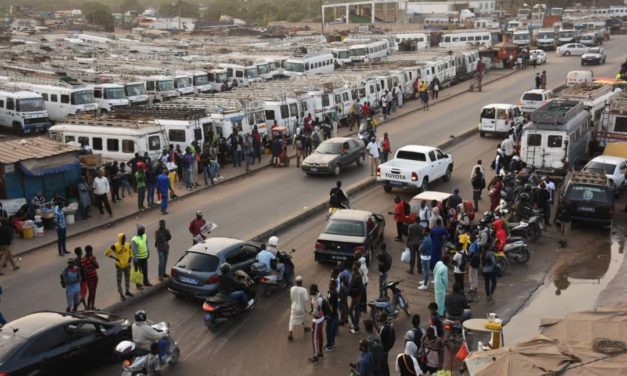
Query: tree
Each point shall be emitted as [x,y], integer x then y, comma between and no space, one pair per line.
[171,9]
[127,5]
[98,14]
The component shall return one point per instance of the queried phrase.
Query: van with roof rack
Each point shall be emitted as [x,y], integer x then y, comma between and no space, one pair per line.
[588,197]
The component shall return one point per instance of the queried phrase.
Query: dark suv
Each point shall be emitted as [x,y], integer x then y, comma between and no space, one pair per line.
[588,197]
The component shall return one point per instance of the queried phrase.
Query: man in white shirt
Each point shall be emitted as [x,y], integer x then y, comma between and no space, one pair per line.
[550,186]
[373,152]
[508,148]
[298,312]
[472,171]
[101,189]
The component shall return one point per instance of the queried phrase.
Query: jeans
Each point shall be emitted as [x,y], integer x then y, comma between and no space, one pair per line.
[240,296]
[425,271]
[164,347]
[164,201]
[384,156]
[250,160]
[163,262]
[383,280]
[141,192]
[354,312]
[459,280]
[126,186]
[73,296]
[123,272]
[332,325]
[142,264]
[415,255]
[61,237]
[187,176]
[490,283]
[237,158]
[150,198]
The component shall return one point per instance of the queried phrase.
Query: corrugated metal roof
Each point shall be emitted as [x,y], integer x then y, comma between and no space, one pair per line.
[12,151]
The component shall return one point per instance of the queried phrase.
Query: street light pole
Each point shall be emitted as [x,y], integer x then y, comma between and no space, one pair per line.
[321,17]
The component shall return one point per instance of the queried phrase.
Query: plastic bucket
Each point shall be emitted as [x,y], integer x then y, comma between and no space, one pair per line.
[27,232]
[70,219]
[39,232]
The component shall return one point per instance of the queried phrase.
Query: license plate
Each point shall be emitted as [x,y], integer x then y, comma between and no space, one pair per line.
[338,257]
[392,182]
[188,280]
[585,209]
[313,169]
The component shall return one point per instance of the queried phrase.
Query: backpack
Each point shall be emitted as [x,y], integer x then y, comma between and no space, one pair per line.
[326,308]
[377,351]
[406,208]
[475,259]
[462,265]
[418,337]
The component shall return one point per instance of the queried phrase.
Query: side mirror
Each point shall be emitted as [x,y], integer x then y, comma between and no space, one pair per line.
[103,331]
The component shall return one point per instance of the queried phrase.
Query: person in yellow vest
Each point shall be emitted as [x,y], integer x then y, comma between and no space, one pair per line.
[122,254]
[141,252]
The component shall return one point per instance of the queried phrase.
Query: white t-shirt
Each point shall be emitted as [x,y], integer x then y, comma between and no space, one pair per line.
[101,186]
[551,187]
[373,149]
[508,146]
[458,260]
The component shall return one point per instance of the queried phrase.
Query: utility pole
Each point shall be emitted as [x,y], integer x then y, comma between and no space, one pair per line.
[321,17]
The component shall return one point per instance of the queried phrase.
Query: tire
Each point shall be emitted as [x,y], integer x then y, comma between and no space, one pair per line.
[424,185]
[481,134]
[359,162]
[387,188]
[449,173]
[175,356]
[337,170]
[523,257]
[566,53]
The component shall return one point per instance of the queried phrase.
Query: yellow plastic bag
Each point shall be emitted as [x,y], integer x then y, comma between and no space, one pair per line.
[137,277]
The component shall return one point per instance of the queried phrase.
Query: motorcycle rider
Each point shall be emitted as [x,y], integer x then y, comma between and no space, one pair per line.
[266,257]
[232,288]
[145,335]
[457,307]
[338,198]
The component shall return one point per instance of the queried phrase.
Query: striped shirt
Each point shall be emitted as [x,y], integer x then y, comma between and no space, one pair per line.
[89,265]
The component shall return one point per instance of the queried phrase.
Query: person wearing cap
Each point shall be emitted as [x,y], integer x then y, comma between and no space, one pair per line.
[195,227]
[373,152]
[141,252]
[299,296]
[71,281]
[162,243]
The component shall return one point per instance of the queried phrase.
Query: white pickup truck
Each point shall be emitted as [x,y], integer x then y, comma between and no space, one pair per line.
[415,166]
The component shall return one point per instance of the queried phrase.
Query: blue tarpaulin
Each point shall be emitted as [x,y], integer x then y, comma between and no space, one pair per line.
[50,165]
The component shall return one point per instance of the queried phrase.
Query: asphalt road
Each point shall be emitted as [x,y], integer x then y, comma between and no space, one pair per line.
[256,202]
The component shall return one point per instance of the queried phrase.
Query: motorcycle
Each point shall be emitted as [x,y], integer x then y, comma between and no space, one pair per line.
[514,250]
[220,309]
[269,279]
[134,364]
[390,307]
[529,230]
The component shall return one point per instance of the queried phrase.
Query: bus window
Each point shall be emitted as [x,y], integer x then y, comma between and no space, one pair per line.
[337,98]
[113,144]
[345,97]
[10,104]
[284,112]
[65,98]
[44,96]
[325,100]
[154,143]
[534,139]
[270,115]
[128,146]
[69,139]
[150,86]
[294,109]
[83,140]
[97,143]
[53,98]
[176,135]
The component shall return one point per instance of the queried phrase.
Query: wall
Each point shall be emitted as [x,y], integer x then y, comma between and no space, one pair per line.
[19,185]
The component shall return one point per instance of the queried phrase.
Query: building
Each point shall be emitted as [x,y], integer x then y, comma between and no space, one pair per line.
[37,164]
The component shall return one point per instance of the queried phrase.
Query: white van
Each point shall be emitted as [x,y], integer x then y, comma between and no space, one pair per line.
[184,84]
[110,96]
[498,118]
[136,93]
[521,38]
[23,111]
[578,77]
[116,140]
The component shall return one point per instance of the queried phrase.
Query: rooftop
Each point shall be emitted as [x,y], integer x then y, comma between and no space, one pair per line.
[12,151]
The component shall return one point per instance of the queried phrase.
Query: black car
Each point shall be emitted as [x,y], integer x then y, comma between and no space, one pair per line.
[55,343]
[196,274]
[588,198]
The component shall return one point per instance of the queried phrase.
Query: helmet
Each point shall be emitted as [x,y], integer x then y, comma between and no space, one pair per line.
[524,196]
[225,268]
[140,315]
[273,241]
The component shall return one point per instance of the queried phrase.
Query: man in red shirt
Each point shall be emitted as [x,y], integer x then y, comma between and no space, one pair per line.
[195,226]
[399,217]
[386,148]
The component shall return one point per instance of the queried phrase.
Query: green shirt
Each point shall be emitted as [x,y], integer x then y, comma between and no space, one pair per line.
[140,179]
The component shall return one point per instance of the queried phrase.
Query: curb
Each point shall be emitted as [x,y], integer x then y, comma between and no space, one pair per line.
[254,171]
[276,229]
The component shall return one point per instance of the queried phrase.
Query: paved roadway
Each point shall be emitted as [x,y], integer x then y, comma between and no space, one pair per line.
[244,208]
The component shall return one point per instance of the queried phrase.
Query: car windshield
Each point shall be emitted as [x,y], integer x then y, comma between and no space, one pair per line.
[30,104]
[135,89]
[329,148]
[532,97]
[198,262]
[9,342]
[545,36]
[114,93]
[568,34]
[605,168]
[345,227]
[83,97]
[294,67]
[594,51]
[165,85]
[588,193]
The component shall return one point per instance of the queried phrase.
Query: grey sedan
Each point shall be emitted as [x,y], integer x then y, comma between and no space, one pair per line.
[332,155]
[196,274]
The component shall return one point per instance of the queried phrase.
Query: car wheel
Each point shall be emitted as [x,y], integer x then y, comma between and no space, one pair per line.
[449,172]
[423,187]
[337,169]
[481,134]
[566,53]
[359,161]
[387,188]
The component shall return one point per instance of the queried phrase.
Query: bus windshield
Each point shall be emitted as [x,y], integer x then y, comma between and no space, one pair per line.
[135,89]
[546,36]
[202,79]
[251,73]
[358,51]
[294,67]
[262,68]
[567,34]
[183,82]
[165,85]
[30,104]
[343,55]
[114,93]
[83,97]
[523,36]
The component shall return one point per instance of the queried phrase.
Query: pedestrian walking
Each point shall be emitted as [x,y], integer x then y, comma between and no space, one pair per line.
[331,315]
[121,252]
[101,189]
[163,186]
[78,251]
[299,144]
[478,184]
[494,190]
[364,364]
[140,185]
[151,184]
[432,352]
[84,198]
[141,252]
[125,184]
[439,235]
[386,148]
[71,282]
[543,84]
[162,243]
[435,88]
[440,283]
[61,225]
[188,160]
[488,268]
[460,261]
[247,150]
[373,153]
[90,269]
[114,177]
[385,264]
[355,291]
[474,262]
[6,240]
[363,272]
[388,337]
[425,257]
[195,227]
[317,323]
[414,238]
[299,297]
[375,346]
[538,81]
[424,95]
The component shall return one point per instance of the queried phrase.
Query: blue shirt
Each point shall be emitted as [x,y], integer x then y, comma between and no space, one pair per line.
[425,246]
[163,183]
[265,257]
[364,364]
[59,217]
